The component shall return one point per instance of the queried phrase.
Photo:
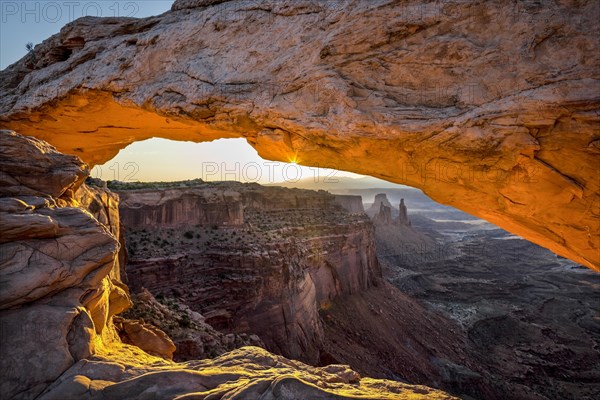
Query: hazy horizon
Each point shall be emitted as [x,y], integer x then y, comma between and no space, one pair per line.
[157,159]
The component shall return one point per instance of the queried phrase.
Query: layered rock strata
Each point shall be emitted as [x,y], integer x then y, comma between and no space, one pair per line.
[60,282]
[170,208]
[296,250]
[300,274]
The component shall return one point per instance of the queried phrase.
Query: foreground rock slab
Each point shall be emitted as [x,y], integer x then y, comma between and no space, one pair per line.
[246,373]
[491,107]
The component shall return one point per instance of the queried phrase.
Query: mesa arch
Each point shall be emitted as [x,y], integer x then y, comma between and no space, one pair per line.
[492,108]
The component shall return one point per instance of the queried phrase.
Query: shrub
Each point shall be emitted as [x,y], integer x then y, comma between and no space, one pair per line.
[189,235]
[185,321]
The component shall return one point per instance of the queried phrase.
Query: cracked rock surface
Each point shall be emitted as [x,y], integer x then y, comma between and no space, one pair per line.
[491,107]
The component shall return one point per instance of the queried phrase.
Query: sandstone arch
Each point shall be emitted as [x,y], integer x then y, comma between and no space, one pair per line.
[492,108]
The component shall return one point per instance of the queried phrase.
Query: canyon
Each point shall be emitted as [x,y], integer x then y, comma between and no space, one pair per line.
[234,266]
[531,337]
[262,264]
[410,334]
[62,288]
[489,107]
[298,270]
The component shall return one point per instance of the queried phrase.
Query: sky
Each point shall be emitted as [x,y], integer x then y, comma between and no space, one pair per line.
[31,21]
[23,22]
[221,160]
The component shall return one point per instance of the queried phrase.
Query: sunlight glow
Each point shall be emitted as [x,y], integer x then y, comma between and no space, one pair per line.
[221,160]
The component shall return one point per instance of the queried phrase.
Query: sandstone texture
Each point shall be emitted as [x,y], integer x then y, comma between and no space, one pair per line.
[491,107]
[145,336]
[170,209]
[61,289]
[58,290]
[247,373]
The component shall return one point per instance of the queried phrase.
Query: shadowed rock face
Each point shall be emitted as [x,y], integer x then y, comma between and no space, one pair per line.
[384,216]
[403,214]
[489,107]
[59,280]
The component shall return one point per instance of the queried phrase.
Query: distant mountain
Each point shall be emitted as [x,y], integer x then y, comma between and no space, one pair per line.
[339,183]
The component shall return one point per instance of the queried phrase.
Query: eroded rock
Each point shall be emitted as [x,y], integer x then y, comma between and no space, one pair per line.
[55,266]
[145,336]
[288,251]
[490,107]
[193,337]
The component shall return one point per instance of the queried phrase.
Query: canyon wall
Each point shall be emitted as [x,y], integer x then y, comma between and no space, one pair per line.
[491,107]
[60,289]
[170,208]
[352,204]
[296,250]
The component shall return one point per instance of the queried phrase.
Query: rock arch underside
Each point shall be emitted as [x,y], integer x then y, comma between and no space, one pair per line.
[491,107]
